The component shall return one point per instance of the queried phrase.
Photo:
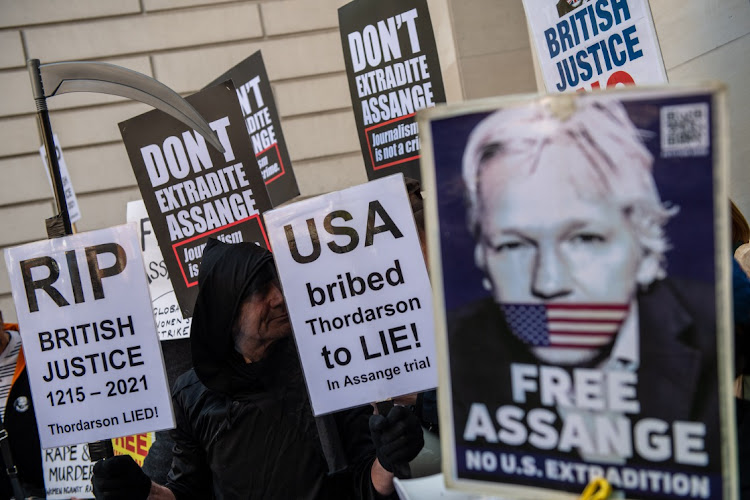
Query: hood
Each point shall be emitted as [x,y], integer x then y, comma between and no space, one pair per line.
[227,274]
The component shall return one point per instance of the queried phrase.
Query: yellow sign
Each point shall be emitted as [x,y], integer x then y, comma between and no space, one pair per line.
[136,446]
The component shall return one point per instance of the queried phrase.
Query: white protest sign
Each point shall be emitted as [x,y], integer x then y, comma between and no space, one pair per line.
[358,294]
[591,44]
[93,355]
[169,321]
[67,472]
[70,194]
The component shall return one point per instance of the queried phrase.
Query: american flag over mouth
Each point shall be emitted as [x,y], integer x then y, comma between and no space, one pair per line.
[572,326]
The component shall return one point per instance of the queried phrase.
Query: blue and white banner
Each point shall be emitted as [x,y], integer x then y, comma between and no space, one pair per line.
[592,44]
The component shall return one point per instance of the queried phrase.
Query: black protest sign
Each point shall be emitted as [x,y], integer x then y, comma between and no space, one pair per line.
[192,192]
[263,125]
[393,70]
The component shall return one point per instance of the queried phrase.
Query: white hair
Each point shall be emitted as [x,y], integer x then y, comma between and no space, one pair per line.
[602,130]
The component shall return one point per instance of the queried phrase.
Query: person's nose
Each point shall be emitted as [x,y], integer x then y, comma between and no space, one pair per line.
[551,278]
[276,297]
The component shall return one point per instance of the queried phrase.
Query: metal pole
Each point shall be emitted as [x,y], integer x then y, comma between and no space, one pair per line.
[98,449]
[45,128]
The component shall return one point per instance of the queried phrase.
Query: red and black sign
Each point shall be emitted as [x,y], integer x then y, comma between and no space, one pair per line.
[263,126]
[192,191]
[393,70]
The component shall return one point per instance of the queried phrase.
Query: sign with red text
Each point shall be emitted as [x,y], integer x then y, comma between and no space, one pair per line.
[169,321]
[193,192]
[393,70]
[358,294]
[264,127]
[583,311]
[93,356]
[593,44]
[136,446]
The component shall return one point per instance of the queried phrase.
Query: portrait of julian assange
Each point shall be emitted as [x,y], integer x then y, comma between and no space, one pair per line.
[579,284]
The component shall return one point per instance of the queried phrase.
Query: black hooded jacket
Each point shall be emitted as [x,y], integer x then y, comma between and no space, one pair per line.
[246,430]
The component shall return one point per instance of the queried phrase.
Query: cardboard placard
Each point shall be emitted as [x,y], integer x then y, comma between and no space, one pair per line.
[264,127]
[580,258]
[592,44]
[93,357]
[169,321]
[393,70]
[358,294]
[193,192]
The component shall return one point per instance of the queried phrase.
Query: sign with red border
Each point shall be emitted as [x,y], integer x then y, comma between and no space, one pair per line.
[393,70]
[263,126]
[223,234]
[192,192]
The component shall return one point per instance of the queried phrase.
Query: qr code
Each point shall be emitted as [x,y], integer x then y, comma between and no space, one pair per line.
[684,130]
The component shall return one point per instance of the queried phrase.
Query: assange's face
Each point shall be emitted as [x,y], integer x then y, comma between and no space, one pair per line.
[554,235]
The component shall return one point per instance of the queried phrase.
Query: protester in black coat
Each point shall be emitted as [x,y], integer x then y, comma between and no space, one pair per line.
[244,424]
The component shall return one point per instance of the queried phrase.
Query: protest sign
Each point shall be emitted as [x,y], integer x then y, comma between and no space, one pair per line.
[358,294]
[93,357]
[169,321]
[592,44]
[70,195]
[174,330]
[68,471]
[136,446]
[393,70]
[583,305]
[264,127]
[193,192]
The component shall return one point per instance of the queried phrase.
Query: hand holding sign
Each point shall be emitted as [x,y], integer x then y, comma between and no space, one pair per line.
[397,437]
[120,478]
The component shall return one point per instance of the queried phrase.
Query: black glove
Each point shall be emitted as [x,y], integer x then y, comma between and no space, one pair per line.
[398,437]
[120,478]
